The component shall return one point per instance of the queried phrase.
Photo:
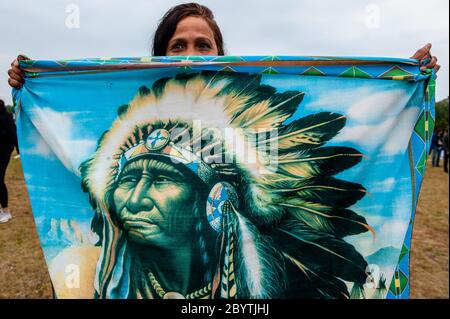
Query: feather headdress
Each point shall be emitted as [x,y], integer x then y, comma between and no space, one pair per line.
[292,213]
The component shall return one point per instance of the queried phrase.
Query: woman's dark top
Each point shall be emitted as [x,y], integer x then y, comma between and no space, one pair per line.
[8,133]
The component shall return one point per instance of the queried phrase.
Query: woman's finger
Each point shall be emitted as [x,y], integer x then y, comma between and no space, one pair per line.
[432,63]
[18,71]
[436,68]
[22,57]
[13,75]
[14,83]
[422,52]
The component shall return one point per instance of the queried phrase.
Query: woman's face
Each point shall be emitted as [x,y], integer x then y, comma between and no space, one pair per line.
[193,36]
[154,204]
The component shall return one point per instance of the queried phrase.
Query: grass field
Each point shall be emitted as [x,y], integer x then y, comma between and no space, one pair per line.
[23,273]
[430,243]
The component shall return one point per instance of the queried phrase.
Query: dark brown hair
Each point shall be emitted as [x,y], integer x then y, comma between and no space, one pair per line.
[169,22]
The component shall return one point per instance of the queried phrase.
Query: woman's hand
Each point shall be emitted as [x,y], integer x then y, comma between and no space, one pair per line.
[423,54]
[16,75]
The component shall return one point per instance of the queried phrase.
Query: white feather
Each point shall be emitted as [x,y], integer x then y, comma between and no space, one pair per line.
[253,266]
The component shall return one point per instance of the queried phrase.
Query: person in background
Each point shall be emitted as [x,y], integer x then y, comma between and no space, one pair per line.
[446,149]
[436,148]
[8,141]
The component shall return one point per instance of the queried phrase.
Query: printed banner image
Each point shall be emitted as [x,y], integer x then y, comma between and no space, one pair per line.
[225,177]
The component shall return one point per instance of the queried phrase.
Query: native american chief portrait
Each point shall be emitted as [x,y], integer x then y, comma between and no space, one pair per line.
[185,209]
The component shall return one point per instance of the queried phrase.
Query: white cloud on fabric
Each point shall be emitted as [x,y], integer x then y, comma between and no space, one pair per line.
[378,105]
[400,134]
[37,146]
[67,145]
[392,135]
[335,100]
[390,229]
[365,104]
[389,234]
[384,186]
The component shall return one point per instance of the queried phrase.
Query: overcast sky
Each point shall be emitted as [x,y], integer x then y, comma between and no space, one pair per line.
[49,29]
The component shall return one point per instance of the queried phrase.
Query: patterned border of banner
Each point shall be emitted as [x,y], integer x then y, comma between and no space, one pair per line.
[419,150]
[370,68]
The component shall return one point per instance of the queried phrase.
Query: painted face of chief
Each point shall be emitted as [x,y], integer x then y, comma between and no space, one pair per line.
[154,203]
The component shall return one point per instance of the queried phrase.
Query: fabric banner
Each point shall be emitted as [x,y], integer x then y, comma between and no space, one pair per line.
[225,177]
